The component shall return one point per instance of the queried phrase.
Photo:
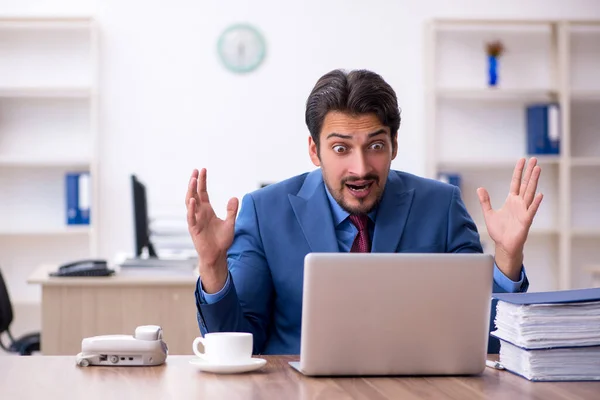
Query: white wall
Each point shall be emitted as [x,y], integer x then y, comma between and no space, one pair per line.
[167,105]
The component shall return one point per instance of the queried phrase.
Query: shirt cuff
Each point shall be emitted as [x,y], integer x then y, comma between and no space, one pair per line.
[215,297]
[506,283]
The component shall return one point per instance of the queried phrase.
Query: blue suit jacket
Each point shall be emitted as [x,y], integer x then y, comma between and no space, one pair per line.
[277,226]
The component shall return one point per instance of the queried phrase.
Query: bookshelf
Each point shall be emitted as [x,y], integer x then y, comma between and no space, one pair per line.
[479,132]
[48,127]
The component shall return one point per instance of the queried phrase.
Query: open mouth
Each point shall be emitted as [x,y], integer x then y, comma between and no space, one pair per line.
[359,188]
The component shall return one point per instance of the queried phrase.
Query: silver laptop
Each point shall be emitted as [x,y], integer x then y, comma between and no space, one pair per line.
[395,314]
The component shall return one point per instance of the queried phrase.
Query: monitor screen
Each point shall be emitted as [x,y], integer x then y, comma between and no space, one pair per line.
[140,218]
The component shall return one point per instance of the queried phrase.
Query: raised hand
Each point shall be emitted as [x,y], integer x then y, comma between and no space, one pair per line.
[509,226]
[211,235]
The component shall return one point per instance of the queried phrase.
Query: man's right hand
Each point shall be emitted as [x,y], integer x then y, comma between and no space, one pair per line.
[211,235]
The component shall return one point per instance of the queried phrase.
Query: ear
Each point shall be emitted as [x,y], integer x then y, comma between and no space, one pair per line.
[394,145]
[313,152]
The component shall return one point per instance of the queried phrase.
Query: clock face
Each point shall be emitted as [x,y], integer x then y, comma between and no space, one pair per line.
[241,48]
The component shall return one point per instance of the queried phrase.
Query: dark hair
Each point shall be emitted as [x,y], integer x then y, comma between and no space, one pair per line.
[356,92]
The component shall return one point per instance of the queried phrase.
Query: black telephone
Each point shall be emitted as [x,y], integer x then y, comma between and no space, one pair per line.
[84,268]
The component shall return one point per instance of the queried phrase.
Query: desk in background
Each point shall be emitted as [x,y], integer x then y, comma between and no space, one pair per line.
[77,307]
[59,378]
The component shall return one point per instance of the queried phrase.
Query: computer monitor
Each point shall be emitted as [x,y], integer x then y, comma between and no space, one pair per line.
[140,213]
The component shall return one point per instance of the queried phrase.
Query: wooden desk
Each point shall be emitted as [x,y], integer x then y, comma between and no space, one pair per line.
[77,307]
[59,378]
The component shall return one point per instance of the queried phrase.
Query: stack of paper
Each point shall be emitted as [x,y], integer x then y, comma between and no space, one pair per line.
[550,335]
[558,364]
[170,237]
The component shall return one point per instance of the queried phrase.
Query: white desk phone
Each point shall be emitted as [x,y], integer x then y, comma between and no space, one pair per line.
[145,347]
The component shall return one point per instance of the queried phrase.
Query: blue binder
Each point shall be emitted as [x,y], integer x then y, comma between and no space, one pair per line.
[556,297]
[72,197]
[77,195]
[543,129]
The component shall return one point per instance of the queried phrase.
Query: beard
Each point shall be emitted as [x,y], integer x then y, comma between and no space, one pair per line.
[365,205]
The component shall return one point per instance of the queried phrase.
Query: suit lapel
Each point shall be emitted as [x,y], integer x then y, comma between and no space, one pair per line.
[314,215]
[392,215]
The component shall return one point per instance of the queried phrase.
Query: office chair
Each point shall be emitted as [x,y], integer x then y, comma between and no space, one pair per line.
[24,345]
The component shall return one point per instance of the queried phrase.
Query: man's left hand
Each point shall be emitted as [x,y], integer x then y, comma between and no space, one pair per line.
[509,226]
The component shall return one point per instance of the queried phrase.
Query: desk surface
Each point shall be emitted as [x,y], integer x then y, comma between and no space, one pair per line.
[123,276]
[59,378]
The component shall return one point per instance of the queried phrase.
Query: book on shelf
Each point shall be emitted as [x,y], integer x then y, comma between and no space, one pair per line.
[550,336]
[78,198]
[543,128]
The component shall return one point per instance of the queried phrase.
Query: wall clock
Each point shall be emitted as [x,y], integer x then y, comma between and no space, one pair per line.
[241,48]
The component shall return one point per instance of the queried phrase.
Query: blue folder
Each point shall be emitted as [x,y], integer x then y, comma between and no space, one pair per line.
[555,297]
[72,198]
[543,128]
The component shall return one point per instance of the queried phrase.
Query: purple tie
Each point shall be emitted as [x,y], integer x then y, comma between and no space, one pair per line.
[361,241]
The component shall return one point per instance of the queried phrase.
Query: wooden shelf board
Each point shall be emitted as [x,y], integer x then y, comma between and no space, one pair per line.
[585,95]
[496,94]
[45,92]
[36,162]
[494,164]
[585,232]
[67,230]
[45,22]
[585,161]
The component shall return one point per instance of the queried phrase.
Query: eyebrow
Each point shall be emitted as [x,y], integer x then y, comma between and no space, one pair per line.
[370,135]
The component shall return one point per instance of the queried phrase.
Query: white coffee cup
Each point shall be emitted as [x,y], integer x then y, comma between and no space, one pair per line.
[225,347]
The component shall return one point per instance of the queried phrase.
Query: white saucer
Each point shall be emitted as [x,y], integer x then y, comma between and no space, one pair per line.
[206,366]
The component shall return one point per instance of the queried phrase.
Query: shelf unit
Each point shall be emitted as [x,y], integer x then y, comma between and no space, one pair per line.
[48,127]
[479,132]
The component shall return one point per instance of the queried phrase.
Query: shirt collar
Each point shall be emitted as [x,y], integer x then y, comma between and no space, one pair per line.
[339,214]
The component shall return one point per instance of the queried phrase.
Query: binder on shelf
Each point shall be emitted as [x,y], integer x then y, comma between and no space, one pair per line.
[78,197]
[550,336]
[543,128]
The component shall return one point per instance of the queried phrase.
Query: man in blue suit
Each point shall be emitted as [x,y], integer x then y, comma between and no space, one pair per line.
[251,268]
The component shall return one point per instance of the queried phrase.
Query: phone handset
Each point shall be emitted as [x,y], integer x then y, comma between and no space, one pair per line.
[148,332]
